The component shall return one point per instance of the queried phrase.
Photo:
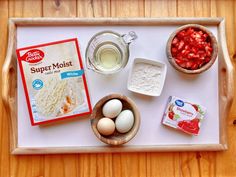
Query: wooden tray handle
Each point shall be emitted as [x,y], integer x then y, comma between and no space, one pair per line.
[9,71]
[226,71]
[228,82]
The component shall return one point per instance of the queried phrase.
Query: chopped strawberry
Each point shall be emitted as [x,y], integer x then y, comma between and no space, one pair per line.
[208,53]
[194,50]
[181,45]
[207,59]
[183,64]
[192,46]
[175,41]
[179,61]
[194,66]
[173,50]
[189,64]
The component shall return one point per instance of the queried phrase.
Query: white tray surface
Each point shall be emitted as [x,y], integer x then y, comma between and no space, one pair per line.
[150,44]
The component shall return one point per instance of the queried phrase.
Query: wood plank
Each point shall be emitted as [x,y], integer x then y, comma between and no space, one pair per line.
[128,164]
[24,8]
[59,8]
[192,8]
[198,164]
[160,8]
[100,164]
[229,13]
[159,164]
[59,165]
[4,123]
[227,9]
[163,164]
[194,164]
[104,165]
[26,165]
[127,8]
[88,165]
[224,160]
[88,8]
[116,167]
[37,167]
[95,165]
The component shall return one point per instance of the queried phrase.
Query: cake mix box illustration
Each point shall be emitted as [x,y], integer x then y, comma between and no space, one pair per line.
[183,115]
[54,81]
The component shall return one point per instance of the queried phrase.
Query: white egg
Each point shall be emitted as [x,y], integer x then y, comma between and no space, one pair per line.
[106,126]
[124,121]
[112,108]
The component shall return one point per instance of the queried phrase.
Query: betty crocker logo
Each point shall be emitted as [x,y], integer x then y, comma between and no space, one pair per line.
[33,56]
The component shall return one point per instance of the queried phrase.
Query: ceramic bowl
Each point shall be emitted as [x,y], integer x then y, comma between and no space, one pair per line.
[163,70]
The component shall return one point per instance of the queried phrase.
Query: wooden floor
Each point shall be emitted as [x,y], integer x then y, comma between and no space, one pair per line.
[184,164]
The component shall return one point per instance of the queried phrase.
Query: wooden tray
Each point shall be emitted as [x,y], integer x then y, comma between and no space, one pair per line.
[9,81]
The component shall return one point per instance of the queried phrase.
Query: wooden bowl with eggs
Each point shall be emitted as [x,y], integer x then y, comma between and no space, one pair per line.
[108,132]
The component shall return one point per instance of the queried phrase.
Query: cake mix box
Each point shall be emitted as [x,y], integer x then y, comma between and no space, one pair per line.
[54,81]
[183,115]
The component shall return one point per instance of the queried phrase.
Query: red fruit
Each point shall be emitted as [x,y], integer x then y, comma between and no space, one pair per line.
[186,47]
[194,50]
[175,41]
[179,61]
[181,45]
[190,55]
[198,35]
[181,34]
[205,35]
[183,64]
[195,66]
[171,115]
[192,46]
[173,50]
[201,33]
[208,48]
[189,64]
[207,59]
[208,53]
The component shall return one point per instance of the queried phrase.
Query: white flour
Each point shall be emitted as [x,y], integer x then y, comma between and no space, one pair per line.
[146,78]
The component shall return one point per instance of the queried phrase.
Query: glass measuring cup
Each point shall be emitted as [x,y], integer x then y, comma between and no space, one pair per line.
[107,52]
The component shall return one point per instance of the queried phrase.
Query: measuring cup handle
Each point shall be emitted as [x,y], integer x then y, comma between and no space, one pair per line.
[89,64]
[131,36]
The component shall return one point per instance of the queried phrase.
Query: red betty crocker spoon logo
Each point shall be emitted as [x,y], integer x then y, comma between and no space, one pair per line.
[33,56]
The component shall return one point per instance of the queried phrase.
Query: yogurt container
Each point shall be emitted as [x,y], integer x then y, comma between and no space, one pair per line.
[184,115]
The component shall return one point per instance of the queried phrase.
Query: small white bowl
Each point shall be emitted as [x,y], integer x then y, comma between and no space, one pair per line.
[163,70]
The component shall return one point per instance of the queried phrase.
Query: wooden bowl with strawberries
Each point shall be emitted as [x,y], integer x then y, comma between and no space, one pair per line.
[192,49]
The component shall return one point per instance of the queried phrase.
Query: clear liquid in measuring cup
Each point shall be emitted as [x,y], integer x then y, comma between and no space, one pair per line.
[108,57]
